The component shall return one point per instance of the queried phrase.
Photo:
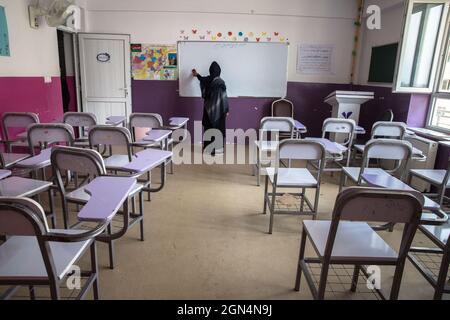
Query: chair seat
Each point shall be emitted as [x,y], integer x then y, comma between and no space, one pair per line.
[267,145]
[144,144]
[80,195]
[292,177]
[355,241]
[12,158]
[21,258]
[435,177]
[439,233]
[353,172]
[116,161]
[22,187]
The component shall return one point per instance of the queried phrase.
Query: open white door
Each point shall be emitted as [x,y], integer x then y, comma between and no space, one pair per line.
[105,72]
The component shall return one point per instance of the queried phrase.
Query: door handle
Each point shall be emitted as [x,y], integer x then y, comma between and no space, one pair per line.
[126,91]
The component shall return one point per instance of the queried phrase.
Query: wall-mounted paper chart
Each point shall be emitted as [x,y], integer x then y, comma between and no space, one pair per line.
[315,58]
[4,40]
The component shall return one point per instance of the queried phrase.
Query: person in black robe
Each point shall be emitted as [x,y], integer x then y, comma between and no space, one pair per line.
[215,106]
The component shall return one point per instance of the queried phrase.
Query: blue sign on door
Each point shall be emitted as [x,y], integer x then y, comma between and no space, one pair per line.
[4,40]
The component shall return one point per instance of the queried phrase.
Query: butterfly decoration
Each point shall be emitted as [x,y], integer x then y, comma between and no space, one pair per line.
[257,39]
[230,33]
[246,39]
[186,37]
[269,39]
[347,115]
[276,34]
[182,31]
[219,35]
[213,38]
[240,34]
[208,32]
[263,33]
[202,37]
[234,38]
[250,34]
[282,39]
[194,31]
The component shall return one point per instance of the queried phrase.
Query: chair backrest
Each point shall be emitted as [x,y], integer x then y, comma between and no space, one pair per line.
[387,149]
[80,119]
[104,135]
[388,115]
[277,124]
[338,125]
[377,205]
[42,134]
[22,217]
[80,161]
[386,129]
[282,108]
[296,149]
[17,120]
[146,120]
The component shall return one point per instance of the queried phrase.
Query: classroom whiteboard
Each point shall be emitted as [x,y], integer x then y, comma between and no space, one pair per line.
[249,69]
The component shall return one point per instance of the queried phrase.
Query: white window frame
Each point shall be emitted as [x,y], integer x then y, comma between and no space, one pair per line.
[436,93]
[400,57]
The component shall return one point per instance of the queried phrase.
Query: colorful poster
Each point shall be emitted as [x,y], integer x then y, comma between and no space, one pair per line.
[4,40]
[154,62]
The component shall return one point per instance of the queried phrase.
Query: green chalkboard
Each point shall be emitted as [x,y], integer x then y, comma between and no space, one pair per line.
[382,63]
[4,40]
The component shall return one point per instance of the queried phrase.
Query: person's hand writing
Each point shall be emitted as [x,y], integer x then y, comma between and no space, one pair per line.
[194,73]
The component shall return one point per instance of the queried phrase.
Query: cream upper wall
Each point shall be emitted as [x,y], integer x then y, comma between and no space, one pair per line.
[390,32]
[302,21]
[33,52]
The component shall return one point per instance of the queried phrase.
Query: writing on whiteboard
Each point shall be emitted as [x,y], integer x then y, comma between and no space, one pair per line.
[315,58]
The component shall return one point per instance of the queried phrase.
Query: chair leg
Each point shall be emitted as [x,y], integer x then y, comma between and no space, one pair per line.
[141,211]
[272,208]
[133,204]
[300,258]
[258,170]
[32,293]
[395,289]
[266,187]
[441,195]
[302,200]
[65,209]
[171,160]
[323,281]
[54,290]
[149,179]
[110,248]
[94,270]
[52,209]
[342,181]
[355,278]
[443,270]
[316,202]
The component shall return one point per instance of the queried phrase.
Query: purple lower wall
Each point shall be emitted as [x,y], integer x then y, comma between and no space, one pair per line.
[31,94]
[162,97]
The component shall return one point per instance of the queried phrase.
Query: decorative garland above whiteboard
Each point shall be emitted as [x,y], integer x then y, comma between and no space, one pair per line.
[240,36]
